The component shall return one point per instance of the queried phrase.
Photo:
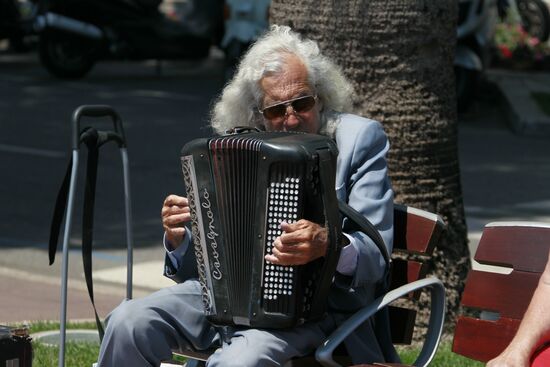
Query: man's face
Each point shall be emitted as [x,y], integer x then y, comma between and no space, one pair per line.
[291,84]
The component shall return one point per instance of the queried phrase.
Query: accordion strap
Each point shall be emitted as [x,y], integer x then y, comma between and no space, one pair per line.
[381,318]
[367,227]
[333,223]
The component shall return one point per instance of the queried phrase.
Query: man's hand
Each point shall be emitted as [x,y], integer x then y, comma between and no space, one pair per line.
[175,213]
[301,243]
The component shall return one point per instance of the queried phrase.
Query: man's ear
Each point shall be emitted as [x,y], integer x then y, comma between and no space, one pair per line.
[320,104]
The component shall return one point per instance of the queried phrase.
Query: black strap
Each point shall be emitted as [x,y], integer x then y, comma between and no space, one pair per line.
[59,212]
[367,227]
[61,202]
[93,144]
[381,318]
[333,223]
[93,140]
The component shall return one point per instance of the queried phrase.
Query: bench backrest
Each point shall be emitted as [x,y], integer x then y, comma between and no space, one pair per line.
[522,246]
[416,232]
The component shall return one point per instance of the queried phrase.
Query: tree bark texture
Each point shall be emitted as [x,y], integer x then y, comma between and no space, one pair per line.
[399,56]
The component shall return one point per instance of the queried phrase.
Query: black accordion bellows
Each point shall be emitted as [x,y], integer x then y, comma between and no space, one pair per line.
[240,188]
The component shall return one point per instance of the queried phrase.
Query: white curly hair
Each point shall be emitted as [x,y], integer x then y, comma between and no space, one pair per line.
[242,96]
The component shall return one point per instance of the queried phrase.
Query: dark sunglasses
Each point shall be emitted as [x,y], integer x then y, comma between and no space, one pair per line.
[300,104]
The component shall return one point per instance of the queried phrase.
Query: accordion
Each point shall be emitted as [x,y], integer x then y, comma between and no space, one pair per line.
[240,188]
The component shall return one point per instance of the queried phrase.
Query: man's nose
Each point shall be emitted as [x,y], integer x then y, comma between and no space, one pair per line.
[291,120]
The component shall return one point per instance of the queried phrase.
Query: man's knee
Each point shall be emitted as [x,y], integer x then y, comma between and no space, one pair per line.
[133,337]
[251,348]
[247,358]
[130,318]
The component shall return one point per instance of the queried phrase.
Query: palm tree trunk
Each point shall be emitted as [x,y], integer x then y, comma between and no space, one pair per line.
[399,55]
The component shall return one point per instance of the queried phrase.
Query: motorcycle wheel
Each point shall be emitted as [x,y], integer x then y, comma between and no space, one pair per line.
[535,18]
[66,55]
[466,81]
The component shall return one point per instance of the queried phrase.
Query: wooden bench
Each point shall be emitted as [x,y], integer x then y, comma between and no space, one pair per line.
[522,246]
[416,232]
[500,298]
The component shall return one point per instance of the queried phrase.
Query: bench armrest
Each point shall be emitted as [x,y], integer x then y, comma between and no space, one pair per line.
[435,326]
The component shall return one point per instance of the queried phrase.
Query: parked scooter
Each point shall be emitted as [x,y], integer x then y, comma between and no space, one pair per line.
[476,27]
[245,21]
[75,34]
[535,17]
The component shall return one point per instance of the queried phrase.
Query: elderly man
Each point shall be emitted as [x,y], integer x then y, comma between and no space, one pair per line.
[283,83]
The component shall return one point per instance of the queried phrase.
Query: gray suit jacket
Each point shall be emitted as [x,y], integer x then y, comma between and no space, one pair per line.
[362,182]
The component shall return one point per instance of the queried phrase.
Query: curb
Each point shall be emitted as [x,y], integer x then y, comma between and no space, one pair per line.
[524,115]
[51,338]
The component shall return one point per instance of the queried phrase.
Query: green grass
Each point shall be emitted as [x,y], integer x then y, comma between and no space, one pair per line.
[443,358]
[84,354]
[38,326]
[543,101]
[76,354]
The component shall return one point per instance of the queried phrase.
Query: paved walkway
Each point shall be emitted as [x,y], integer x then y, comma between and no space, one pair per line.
[504,155]
[505,176]
[524,114]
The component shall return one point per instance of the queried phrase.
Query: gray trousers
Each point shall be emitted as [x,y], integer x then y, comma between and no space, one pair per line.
[143,332]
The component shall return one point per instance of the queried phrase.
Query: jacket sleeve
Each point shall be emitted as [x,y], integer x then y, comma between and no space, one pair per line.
[365,185]
[187,264]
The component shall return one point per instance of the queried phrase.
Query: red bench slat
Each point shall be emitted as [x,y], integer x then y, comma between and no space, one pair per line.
[416,233]
[508,294]
[483,340]
[405,272]
[521,247]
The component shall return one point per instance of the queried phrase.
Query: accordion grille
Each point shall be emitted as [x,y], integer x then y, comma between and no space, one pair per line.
[235,162]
